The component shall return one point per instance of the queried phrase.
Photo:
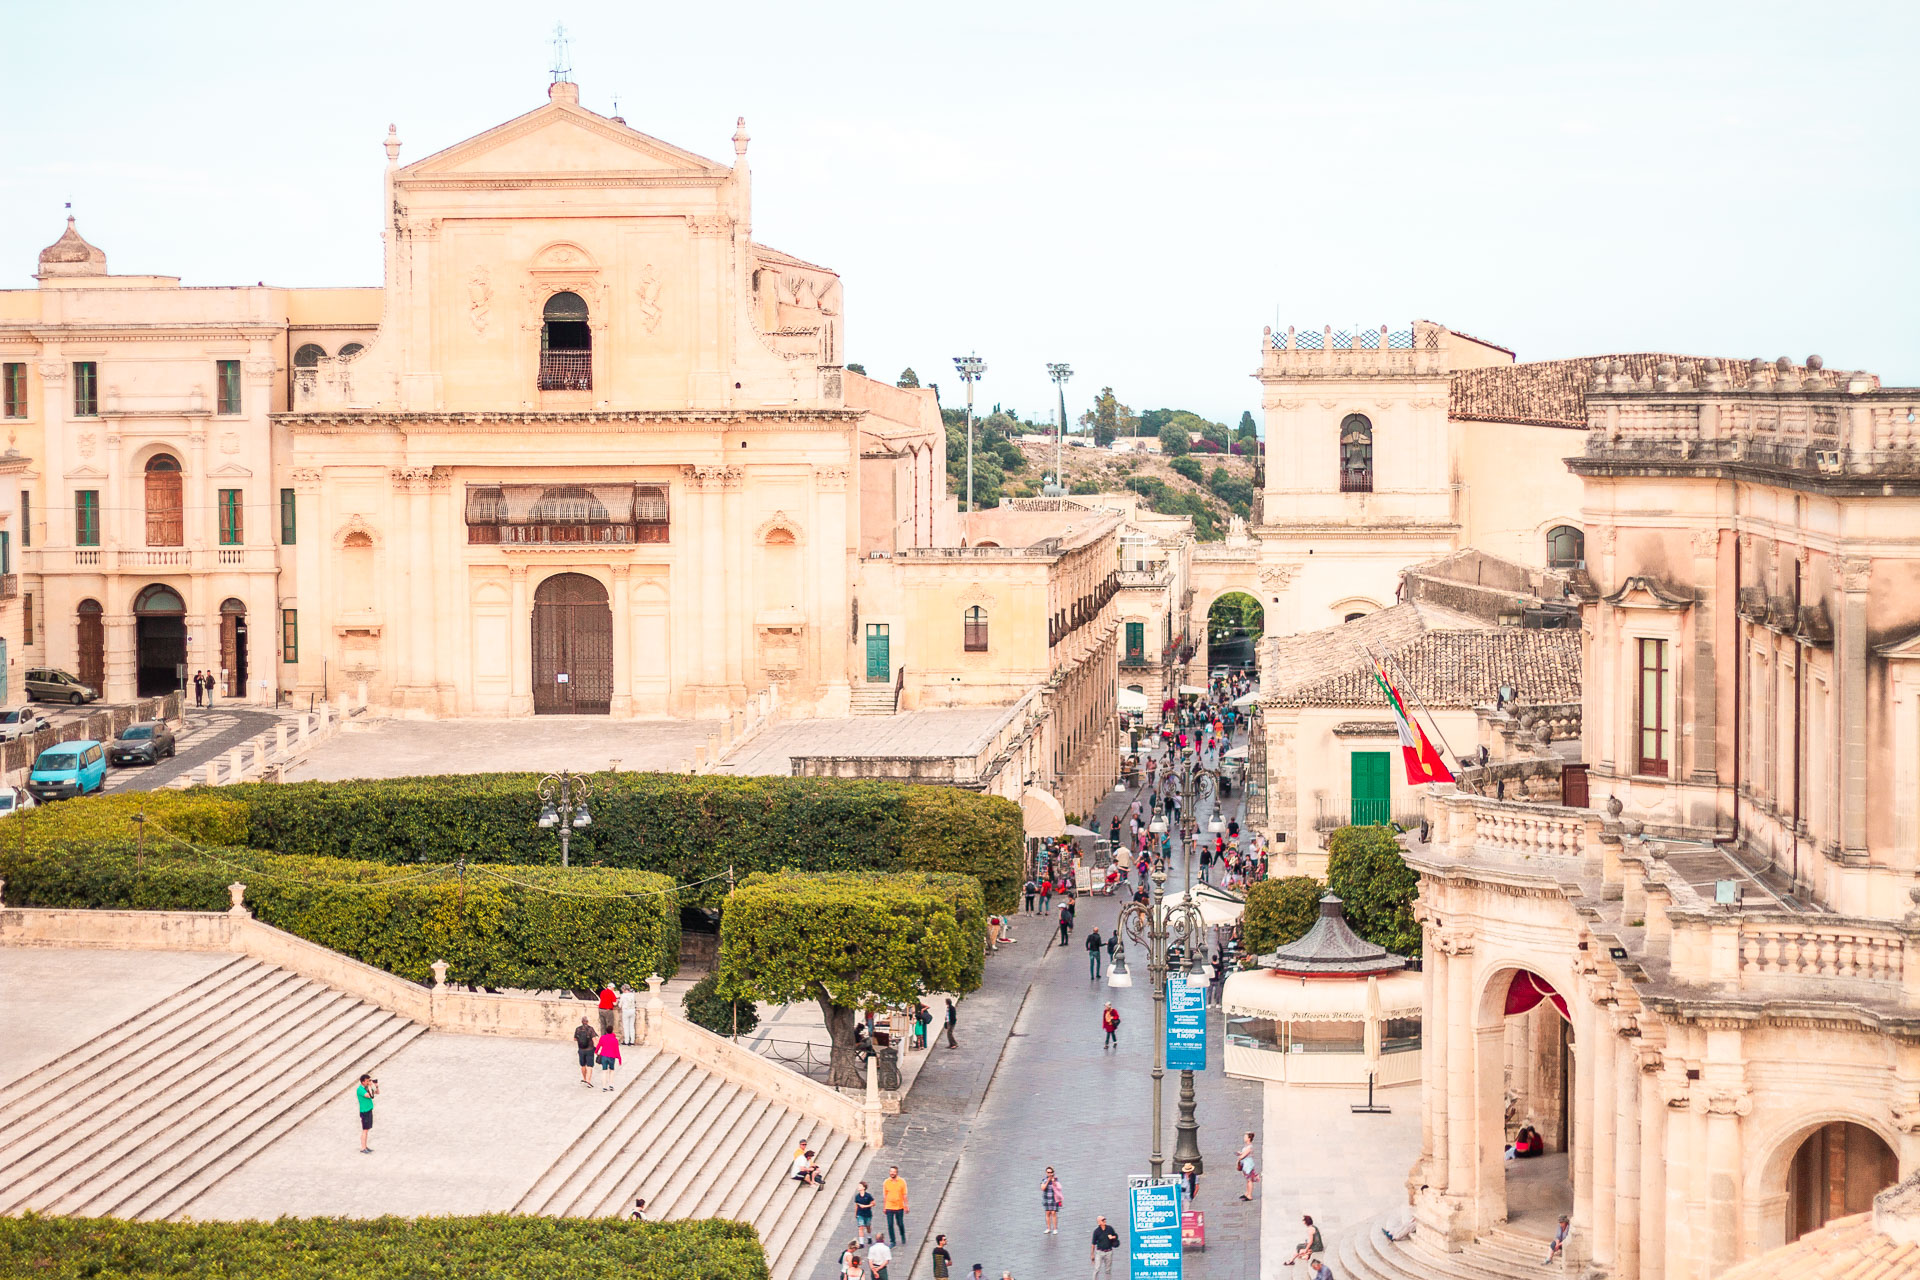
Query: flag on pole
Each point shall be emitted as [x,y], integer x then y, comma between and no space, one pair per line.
[1424,764]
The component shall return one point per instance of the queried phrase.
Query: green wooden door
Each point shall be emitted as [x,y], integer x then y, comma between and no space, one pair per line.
[879,668]
[1372,789]
[1136,639]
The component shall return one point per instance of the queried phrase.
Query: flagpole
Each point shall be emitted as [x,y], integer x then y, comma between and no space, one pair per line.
[1381,668]
[1431,718]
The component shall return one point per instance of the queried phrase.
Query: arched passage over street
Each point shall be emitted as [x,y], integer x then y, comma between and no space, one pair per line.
[1235,622]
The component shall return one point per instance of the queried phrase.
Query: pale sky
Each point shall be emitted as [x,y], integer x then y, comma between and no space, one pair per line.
[1135,189]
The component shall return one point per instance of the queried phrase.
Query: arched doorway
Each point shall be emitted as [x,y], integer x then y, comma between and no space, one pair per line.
[160,640]
[233,646]
[1235,623]
[572,647]
[1538,1067]
[93,644]
[1836,1171]
[166,526]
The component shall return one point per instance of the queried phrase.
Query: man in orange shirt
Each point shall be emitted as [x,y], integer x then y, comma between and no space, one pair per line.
[893,1198]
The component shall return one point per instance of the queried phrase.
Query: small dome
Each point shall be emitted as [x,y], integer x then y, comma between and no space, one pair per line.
[71,255]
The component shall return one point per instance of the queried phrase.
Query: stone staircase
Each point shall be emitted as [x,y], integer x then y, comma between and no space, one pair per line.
[697,1146]
[141,1119]
[1366,1254]
[872,699]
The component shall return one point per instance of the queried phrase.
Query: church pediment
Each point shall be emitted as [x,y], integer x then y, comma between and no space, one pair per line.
[560,138]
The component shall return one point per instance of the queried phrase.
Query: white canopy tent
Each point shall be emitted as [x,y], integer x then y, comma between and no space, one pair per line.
[1128,700]
[1192,690]
[1245,700]
[1216,906]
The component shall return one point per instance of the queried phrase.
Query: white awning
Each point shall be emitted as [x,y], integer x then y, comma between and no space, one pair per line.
[1128,700]
[1217,906]
[1245,700]
[1192,690]
[1262,993]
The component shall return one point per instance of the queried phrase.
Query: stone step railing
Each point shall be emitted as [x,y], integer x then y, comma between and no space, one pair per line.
[1820,950]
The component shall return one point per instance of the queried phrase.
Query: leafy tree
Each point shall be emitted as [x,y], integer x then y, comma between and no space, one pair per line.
[1108,418]
[1216,432]
[1173,440]
[1235,612]
[857,368]
[1366,870]
[1010,456]
[1188,467]
[1162,497]
[849,940]
[706,1007]
[1247,430]
[907,378]
[1152,420]
[1232,490]
[1280,911]
[1084,485]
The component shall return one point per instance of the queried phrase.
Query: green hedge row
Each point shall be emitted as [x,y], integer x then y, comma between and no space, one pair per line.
[479,1248]
[497,926]
[685,827]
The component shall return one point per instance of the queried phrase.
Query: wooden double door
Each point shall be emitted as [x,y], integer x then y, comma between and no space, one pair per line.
[572,647]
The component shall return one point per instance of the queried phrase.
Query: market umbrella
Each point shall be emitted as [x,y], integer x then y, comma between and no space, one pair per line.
[1128,700]
[1080,831]
[1245,700]
[1216,906]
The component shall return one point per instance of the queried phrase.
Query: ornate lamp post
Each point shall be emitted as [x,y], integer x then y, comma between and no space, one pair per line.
[563,797]
[1157,922]
[1197,783]
[971,367]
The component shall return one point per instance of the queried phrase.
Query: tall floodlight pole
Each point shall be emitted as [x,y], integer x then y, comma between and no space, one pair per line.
[1060,373]
[970,367]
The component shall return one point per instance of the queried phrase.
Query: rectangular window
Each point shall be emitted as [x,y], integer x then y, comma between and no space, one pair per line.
[86,518]
[287,526]
[229,386]
[289,635]
[1651,718]
[14,379]
[86,389]
[232,532]
[26,518]
[26,618]
[6,552]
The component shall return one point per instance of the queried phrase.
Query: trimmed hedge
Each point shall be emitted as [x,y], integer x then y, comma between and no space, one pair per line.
[202,816]
[1280,911]
[541,933]
[687,828]
[706,1007]
[495,1247]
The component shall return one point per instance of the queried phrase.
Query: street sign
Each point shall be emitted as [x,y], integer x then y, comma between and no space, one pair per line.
[1153,1228]
[1186,1022]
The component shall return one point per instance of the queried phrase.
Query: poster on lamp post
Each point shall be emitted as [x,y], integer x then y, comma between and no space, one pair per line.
[1186,1022]
[1153,1228]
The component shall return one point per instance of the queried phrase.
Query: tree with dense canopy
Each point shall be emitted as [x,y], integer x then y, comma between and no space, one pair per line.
[1109,418]
[847,941]
[1280,911]
[1247,430]
[1174,440]
[907,378]
[1366,870]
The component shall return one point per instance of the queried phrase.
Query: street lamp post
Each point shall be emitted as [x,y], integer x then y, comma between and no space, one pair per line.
[1060,373]
[1197,783]
[1155,923]
[970,367]
[563,797]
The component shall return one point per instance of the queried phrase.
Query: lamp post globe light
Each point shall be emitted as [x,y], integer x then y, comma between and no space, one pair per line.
[1156,923]
[1060,373]
[970,367]
[563,804]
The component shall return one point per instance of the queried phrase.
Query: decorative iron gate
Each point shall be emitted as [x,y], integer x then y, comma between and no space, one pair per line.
[572,647]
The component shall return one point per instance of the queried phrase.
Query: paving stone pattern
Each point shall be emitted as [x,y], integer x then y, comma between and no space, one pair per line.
[911,733]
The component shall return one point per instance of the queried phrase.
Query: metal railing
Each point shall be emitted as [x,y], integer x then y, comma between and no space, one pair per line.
[813,1061]
[566,370]
[1356,481]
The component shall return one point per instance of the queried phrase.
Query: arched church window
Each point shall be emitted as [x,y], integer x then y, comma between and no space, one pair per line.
[975,630]
[566,344]
[308,356]
[1356,454]
[1566,548]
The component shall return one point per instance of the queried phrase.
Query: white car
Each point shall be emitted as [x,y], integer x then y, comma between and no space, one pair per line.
[21,722]
[13,800]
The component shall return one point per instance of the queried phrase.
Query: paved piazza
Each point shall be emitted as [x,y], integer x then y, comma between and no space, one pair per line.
[377,748]
[910,734]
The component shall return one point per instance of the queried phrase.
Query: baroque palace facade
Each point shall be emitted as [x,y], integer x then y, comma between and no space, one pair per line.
[589,448]
[1699,989]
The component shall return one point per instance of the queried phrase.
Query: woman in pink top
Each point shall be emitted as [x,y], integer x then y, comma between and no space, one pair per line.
[608,1052]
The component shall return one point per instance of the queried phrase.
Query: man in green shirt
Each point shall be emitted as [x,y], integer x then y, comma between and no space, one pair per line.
[364,1093]
[942,1260]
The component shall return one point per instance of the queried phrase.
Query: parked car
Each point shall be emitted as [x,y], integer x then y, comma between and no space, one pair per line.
[21,722]
[148,742]
[13,800]
[50,684]
[68,769]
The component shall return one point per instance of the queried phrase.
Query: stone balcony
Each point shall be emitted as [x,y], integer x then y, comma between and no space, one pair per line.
[146,560]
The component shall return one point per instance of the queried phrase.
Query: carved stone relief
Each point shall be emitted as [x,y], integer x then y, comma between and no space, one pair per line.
[647,308]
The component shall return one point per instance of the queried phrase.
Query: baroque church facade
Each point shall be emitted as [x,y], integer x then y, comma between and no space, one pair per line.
[588,448]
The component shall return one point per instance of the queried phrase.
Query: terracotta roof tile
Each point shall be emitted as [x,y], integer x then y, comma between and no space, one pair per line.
[1844,1249]
[1446,659]
[1550,393]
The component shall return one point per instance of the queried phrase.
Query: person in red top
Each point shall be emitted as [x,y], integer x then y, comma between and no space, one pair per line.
[1110,1023]
[609,998]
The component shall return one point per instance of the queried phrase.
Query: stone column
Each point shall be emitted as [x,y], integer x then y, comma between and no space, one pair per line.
[1605,1093]
[736,620]
[1433,1108]
[1580,1150]
[521,701]
[417,669]
[622,639]
[1727,1107]
[1850,663]
[709,566]
[1462,1065]
[1626,1169]
[1681,1154]
[1653,1170]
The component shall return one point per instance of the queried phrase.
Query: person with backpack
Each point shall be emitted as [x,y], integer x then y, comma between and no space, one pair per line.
[1110,1023]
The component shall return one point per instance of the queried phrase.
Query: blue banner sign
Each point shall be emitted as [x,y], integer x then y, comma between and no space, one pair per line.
[1153,1228]
[1186,1022]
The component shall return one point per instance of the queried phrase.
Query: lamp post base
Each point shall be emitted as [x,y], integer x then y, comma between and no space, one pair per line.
[1186,1142]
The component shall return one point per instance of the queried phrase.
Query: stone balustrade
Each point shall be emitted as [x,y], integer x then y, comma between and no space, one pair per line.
[1776,952]
[1473,826]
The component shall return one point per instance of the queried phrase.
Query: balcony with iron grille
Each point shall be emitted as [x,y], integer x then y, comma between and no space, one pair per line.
[566,370]
[1356,480]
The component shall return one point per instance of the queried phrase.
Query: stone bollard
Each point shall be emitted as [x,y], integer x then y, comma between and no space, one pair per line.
[280,739]
[439,975]
[238,893]
[212,773]
[235,765]
[871,1113]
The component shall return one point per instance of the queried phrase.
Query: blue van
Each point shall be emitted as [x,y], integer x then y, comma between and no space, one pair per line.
[68,769]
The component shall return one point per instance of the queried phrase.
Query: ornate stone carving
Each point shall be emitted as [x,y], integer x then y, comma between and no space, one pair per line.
[711,477]
[84,442]
[52,372]
[646,300]
[1906,1116]
[1729,1102]
[1278,576]
[779,521]
[305,475]
[480,299]
[230,442]
[412,479]
[1854,572]
[1457,941]
[1705,541]
[975,595]
[355,524]
[830,479]
[261,367]
[706,224]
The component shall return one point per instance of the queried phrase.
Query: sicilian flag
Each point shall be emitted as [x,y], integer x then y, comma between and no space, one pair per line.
[1423,762]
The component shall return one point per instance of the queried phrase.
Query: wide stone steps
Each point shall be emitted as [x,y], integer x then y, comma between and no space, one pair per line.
[1365,1253]
[872,700]
[694,1145]
[142,1118]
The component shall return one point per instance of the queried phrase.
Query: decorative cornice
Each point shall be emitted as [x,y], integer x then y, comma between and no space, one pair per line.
[831,479]
[661,420]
